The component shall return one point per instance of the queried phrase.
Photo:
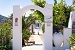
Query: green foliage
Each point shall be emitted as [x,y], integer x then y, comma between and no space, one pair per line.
[26,35]
[43,28]
[55,2]
[5,36]
[26,22]
[9,22]
[61,14]
[6,47]
[72,40]
[40,3]
[38,15]
[11,16]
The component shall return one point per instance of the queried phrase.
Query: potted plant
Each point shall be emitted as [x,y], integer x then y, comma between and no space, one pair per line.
[71,42]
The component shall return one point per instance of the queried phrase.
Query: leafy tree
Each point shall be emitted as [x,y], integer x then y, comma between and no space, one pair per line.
[55,2]
[11,16]
[9,21]
[40,3]
[38,15]
[61,13]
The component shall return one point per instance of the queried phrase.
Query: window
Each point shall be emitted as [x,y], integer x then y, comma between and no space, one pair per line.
[37,25]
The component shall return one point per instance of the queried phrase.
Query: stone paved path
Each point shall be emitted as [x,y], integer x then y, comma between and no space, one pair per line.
[33,47]
[38,43]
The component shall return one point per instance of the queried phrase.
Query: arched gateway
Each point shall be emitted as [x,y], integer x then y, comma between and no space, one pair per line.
[17,25]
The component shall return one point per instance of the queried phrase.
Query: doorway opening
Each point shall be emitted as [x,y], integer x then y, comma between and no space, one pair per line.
[33,27]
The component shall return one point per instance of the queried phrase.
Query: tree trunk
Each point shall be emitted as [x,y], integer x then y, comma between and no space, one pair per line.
[32,30]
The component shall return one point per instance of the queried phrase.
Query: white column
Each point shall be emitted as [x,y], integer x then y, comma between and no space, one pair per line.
[48,33]
[17,29]
[48,16]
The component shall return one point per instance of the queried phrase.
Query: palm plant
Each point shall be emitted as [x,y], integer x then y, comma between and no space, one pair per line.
[26,23]
[25,36]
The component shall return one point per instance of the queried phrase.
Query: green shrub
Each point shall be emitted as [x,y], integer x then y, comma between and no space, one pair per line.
[72,40]
[5,37]
[25,36]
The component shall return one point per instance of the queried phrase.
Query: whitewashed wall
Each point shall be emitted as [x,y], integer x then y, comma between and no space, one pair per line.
[17,30]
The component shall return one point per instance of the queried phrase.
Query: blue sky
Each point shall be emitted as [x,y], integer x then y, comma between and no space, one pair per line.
[6,6]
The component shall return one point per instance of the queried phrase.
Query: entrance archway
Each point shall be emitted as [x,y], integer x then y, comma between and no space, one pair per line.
[33,24]
[17,25]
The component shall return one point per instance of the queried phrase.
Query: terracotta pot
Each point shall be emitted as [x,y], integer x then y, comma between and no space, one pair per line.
[58,39]
[72,47]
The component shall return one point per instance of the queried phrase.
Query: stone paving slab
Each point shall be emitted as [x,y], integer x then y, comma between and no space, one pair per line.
[33,47]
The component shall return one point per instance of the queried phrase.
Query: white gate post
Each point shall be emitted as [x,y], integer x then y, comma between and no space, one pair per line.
[48,36]
[17,28]
[48,27]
